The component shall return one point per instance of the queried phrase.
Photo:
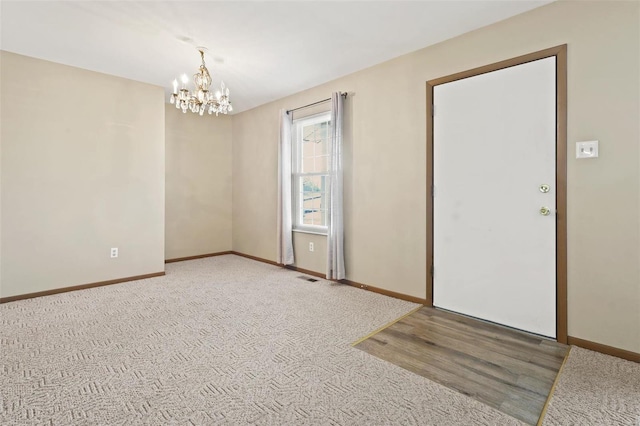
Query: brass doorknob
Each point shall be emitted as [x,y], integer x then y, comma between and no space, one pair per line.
[544,211]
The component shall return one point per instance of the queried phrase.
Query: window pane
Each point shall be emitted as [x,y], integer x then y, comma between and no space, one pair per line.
[313,208]
[307,164]
[323,148]
[315,132]
[311,201]
[315,144]
[315,201]
[308,148]
[313,183]
[321,163]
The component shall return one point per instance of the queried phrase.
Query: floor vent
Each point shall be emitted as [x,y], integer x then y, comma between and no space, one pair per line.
[304,277]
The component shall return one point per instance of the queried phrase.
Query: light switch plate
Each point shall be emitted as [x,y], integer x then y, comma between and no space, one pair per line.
[587,149]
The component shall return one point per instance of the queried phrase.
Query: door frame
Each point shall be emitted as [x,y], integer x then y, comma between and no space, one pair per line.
[560,53]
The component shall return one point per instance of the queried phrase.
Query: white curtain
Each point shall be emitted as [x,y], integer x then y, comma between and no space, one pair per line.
[335,233]
[285,226]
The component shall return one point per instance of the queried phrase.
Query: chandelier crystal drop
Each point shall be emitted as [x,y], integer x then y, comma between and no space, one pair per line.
[201,99]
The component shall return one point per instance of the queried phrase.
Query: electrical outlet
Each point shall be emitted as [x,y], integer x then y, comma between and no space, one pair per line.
[310,246]
[587,149]
[114,252]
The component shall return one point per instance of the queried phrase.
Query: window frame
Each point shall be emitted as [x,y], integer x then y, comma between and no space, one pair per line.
[296,173]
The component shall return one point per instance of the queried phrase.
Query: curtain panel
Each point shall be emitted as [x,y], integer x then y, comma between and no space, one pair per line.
[335,232]
[285,225]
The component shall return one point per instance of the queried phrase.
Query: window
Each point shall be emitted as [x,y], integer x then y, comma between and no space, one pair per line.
[311,139]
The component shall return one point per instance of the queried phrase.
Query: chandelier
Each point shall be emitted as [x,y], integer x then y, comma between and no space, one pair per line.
[201,99]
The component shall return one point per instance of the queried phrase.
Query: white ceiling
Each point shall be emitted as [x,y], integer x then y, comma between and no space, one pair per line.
[262,50]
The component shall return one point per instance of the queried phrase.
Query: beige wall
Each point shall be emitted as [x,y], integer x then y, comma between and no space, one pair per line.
[198,183]
[385,193]
[255,189]
[315,260]
[82,171]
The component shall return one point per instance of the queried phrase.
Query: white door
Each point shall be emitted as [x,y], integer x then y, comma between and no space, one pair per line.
[494,148]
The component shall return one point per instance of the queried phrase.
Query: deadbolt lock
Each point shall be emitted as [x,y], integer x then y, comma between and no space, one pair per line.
[544,211]
[544,188]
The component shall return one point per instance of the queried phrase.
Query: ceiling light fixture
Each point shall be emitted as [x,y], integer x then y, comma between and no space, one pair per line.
[201,99]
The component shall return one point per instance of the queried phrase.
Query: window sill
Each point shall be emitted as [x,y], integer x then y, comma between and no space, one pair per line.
[304,231]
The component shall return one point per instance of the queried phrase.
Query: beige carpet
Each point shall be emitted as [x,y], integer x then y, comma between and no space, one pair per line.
[227,340]
[596,389]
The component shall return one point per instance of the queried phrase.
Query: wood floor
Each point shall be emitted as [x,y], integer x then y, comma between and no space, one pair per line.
[509,370]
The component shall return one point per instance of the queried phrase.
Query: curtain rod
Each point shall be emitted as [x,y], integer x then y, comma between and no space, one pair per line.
[344,95]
